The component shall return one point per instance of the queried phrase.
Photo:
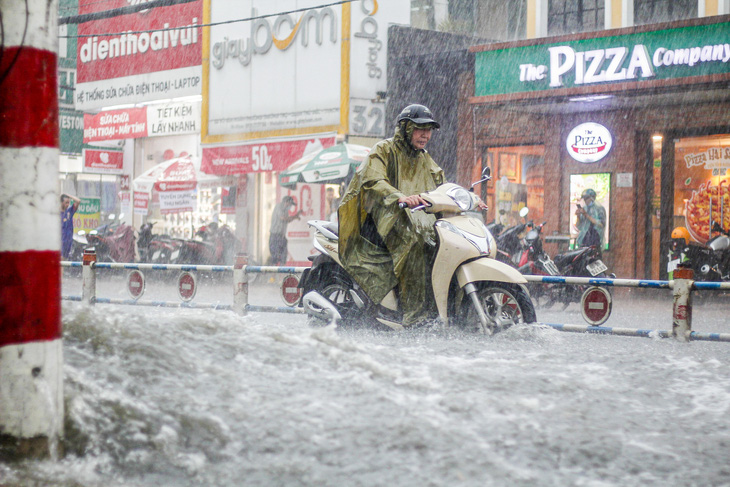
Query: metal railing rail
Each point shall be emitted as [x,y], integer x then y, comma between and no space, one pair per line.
[682,287]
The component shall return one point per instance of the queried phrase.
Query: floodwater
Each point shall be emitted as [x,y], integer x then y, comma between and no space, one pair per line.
[170,397]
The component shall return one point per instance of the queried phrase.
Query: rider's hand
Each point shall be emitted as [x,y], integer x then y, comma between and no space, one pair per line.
[482,205]
[412,201]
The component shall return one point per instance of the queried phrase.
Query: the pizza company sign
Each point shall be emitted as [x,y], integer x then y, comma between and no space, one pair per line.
[680,52]
[589,142]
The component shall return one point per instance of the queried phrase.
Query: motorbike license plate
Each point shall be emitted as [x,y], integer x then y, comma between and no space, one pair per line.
[596,267]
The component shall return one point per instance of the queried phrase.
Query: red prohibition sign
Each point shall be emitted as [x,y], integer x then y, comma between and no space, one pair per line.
[290,292]
[135,284]
[596,305]
[186,286]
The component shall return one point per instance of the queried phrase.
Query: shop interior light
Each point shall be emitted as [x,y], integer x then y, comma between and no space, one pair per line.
[656,138]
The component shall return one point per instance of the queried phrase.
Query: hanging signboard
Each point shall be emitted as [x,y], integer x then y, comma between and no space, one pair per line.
[88,214]
[115,124]
[151,121]
[141,203]
[589,142]
[176,201]
[149,55]
[103,161]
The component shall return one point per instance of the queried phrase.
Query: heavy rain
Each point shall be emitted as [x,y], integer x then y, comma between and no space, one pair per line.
[226,296]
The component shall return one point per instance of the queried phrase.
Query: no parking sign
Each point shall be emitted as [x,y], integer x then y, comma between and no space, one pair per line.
[290,291]
[135,284]
[186,286]
[596,305]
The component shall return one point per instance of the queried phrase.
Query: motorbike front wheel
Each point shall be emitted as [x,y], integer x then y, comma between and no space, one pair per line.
[504,304]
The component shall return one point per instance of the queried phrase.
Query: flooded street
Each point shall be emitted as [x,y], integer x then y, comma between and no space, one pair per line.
[208,398]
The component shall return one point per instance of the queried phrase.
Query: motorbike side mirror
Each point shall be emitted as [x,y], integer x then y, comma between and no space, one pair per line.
[486,176]
[111,216]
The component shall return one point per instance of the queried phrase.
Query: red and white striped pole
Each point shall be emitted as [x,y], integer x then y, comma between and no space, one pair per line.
[31,360]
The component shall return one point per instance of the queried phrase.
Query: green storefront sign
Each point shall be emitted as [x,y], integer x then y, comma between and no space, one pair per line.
[682,52]
[88,214]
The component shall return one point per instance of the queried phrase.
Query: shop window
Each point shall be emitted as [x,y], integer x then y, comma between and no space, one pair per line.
[654,11]
[702,184]
[517,181]
[570,16]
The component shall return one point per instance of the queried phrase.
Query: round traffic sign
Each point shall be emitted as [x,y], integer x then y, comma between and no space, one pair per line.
[290,292]
[596,305]
[186,286]
[135,284]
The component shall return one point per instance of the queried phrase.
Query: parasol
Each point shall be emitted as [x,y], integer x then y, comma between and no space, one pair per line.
[325,166]
[179,174]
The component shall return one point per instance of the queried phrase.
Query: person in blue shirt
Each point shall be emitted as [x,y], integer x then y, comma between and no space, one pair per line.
[69,205]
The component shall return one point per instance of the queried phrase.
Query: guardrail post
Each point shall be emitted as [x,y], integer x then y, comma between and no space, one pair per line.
[682,310]
[240,285]
[88,276]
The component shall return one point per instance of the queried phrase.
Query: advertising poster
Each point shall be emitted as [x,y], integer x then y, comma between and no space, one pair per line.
[310,199]
[601,184]
[103,161]
[88,215]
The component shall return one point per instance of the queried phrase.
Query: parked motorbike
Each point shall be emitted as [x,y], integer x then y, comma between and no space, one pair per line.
[710,262]
[116,247]
[155,248]
[581,262]
[214,245]
[533,260]
[472,290]
[509,241]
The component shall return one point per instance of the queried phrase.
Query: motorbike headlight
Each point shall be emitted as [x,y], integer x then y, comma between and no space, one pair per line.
[485,245]
[462,198]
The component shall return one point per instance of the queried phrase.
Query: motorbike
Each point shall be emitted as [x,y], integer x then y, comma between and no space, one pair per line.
[581,262]
[710,262]
[472,290]
[115,247]
[155,248]
[213,246]
[509,245]
[531,259]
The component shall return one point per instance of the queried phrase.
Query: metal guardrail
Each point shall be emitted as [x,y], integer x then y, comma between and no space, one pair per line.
[682,287]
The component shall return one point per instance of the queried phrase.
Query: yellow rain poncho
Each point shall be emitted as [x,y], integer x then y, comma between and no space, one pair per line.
[397,254]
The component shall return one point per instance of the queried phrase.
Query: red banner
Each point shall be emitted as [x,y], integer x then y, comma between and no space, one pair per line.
[257,157]
[130,123]
[130,51]
[102,161]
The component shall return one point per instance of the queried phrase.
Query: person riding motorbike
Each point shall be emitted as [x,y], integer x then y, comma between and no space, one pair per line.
[381,245]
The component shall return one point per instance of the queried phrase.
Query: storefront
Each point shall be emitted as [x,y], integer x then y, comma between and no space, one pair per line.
[641,115]
[298,78]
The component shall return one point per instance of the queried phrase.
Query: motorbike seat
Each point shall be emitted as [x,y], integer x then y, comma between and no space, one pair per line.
[568,256]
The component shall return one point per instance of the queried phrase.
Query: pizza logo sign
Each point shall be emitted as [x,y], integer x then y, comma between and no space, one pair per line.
[589,142]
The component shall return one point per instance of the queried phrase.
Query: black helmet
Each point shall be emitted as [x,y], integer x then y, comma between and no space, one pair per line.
[417,114]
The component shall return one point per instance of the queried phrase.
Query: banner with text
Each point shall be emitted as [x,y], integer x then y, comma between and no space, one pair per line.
[88,215]
[150,121]
[260,156]
[141,203]
[149,55]
[176,201]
